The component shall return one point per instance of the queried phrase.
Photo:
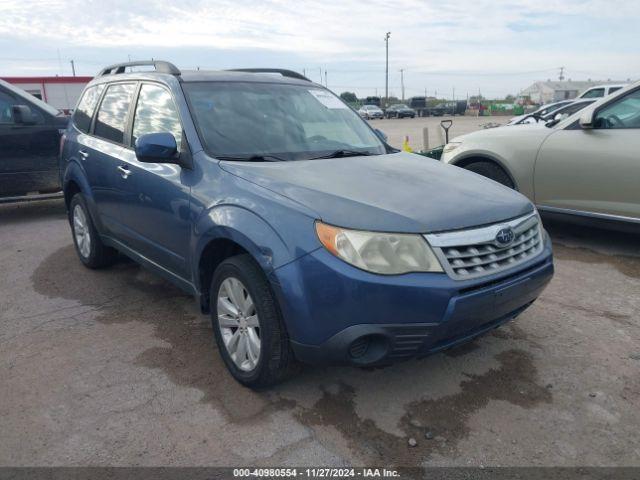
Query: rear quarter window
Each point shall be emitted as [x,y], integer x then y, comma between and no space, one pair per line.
[86,107]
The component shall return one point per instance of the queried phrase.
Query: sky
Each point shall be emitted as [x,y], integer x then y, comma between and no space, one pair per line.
[452,48]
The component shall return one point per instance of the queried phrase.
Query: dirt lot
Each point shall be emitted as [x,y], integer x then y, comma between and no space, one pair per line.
[396,129]
[116,367]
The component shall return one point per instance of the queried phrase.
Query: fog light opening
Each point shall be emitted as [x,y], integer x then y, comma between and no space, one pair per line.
[368,349]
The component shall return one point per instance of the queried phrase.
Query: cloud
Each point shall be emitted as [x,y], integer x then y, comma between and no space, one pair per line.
[436,40]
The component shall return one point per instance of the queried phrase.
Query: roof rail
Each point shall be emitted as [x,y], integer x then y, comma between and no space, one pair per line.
[161,67]
[281,71]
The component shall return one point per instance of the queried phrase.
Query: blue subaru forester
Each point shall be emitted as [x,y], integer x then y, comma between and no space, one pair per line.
[296,226]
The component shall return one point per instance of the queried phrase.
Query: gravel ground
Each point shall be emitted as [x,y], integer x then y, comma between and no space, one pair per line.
[116,367]
[396,129]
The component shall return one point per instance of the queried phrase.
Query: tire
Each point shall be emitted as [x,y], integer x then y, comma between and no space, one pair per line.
[275,360]
[89,247]
[492,171]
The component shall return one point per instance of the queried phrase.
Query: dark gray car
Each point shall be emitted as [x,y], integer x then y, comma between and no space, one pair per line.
[30,133]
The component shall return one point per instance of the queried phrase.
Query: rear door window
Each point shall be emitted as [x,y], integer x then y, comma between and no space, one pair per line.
[87,105]
[112,115]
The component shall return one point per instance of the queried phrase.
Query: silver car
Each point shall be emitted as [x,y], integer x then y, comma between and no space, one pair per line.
[370,112]
[586,165]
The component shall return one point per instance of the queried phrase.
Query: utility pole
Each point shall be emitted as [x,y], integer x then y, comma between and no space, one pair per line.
[326,82]
[453,94]
[402,82]
[386,80]
[561,76]
[73,68]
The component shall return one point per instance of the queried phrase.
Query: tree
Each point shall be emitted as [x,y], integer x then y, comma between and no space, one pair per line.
[349,97]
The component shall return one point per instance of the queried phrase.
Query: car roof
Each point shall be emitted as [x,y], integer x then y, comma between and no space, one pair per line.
[191,76]
[607,85]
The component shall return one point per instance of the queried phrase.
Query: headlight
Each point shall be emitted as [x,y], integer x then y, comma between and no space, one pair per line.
[384,253]
[451,146]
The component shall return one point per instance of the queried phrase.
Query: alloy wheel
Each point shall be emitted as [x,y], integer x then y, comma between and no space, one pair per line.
[239,324]
[81,231]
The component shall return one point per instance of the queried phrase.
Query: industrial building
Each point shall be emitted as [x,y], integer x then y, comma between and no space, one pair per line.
[59,92]
[554,91]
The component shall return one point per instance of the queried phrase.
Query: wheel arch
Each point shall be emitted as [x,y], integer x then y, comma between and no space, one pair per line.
[467,160]
[75,182]
[226,231]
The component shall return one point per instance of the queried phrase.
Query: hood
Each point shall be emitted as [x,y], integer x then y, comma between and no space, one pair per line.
[398,192]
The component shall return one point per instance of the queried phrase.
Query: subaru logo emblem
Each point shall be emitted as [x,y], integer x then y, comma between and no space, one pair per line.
[505,236]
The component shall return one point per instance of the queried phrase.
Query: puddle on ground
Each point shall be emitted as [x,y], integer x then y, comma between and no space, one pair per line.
[126,292]
[514,381]
[625,264]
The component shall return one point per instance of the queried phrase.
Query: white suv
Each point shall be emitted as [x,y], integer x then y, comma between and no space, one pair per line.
[601,91]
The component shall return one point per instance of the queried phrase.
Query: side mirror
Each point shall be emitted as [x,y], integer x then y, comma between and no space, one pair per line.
[586,119]
[157,148]
[22,115]
[381,135]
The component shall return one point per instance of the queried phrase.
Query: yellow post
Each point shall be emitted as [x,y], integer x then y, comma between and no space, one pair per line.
[405,145]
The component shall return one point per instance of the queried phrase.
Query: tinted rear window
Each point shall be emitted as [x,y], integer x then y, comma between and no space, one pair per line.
[595,93]
[112,115]
[84,112]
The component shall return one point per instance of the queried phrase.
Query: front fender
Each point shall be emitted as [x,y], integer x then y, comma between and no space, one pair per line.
[251,232]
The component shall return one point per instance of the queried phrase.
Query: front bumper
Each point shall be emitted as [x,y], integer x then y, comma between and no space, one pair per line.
[338,314]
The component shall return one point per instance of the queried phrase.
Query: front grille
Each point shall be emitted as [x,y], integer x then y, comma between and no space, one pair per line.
[475,253]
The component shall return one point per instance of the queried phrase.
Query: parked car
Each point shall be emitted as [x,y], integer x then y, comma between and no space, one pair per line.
[29,143]
[585,166]
[377,101]
[601,91]
[560,113]
[400,111]
[543,110]
[289,245]
[370,112]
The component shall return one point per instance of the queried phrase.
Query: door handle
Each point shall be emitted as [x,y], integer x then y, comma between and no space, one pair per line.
[84,154]
[124,172]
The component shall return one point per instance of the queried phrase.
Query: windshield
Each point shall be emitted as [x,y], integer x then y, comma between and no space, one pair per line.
[245,120]
[551,108]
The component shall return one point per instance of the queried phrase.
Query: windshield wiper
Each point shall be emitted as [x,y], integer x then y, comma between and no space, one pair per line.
[343,153]
[252,158]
